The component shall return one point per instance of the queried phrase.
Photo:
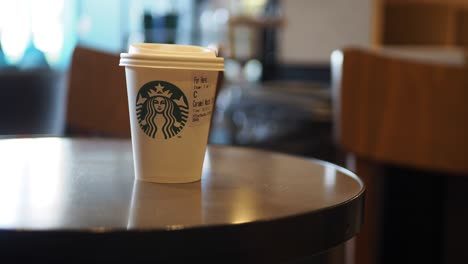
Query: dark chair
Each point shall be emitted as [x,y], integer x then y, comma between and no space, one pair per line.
[32,102]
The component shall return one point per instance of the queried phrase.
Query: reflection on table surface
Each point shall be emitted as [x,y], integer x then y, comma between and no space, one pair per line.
[53,183]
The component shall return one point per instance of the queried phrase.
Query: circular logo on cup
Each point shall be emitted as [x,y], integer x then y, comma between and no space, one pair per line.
[162,109]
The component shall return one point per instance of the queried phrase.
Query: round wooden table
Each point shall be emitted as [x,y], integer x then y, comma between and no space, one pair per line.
[76,199]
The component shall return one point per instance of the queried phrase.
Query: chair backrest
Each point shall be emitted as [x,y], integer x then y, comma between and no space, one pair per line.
[403,116]
[97,102]
[402,111]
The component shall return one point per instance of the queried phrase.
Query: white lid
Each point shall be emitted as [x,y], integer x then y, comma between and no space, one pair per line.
[171,56]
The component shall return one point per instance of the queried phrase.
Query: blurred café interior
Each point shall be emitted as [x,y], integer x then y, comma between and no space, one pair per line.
[376,86]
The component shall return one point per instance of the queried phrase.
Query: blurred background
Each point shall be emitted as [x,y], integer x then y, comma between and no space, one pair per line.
[294,82]
[276,87]
[276,91]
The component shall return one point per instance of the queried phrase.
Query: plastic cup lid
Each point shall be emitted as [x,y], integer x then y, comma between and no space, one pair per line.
[171,56]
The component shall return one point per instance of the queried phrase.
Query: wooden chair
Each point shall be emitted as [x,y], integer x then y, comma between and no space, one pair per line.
[404,125]
[97,99]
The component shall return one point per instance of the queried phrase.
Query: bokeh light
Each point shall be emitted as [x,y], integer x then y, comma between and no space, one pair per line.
[15,29]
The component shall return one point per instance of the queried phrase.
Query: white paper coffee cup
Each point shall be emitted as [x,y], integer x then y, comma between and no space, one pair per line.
[171,93]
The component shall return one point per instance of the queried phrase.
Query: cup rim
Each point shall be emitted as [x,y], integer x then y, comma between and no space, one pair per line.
[170,57]
[172,64]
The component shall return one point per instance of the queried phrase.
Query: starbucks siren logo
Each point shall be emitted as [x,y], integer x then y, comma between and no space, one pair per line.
[162,109]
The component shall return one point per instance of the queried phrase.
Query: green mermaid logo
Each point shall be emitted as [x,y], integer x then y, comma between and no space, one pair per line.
[162,109]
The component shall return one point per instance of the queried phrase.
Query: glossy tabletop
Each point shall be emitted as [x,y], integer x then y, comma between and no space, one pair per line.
[85,188]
